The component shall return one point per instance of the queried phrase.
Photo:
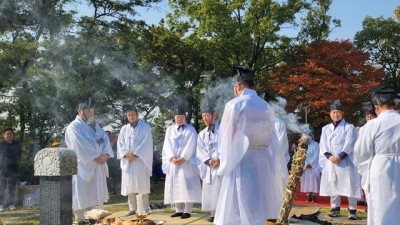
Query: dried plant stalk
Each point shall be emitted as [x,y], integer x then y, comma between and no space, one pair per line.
[292,184]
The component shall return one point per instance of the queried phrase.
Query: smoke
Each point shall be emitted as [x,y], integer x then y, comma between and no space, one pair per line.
[218,95]
[291,120]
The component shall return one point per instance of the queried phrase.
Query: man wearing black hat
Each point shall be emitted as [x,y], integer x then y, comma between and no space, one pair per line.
[377,152]
[247,144]
[92,147]
[368,114]
[135,149]
[207,153]
[339,175]
[179,163]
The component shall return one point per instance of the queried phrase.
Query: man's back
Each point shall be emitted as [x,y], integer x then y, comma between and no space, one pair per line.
[386,132]
[254,118]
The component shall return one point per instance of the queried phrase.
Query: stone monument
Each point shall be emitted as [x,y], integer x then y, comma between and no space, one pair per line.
[55,167]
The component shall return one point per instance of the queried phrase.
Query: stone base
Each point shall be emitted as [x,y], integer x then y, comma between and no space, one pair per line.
[56,200]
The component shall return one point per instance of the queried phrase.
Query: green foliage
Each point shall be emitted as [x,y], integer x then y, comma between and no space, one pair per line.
[316,25]
[49,56]
[381,39]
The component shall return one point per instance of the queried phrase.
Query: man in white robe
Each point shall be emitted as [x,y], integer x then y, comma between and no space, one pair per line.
[282,157]
[92,147]
[179,163]
[207,153]
[339,175]
[377,152]
[312,172]
[248,145]
[135,150]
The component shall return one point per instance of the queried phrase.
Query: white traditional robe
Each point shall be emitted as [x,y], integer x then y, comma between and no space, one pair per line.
[207,148]
[342,179]
[311,176]
[282,157]
[248,145]
[89,186]
[136,175]
[377,152]
[182,182]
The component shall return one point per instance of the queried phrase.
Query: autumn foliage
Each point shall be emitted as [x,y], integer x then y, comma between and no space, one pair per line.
[323,71]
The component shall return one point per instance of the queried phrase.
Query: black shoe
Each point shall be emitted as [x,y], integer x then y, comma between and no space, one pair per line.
[314,198]
[211,219]
[185,216]
[352,214]
[177,214]
[308,198]
[335,212]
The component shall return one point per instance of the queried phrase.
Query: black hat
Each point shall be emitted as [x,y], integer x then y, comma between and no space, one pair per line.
[382,95]
[179,109]
[207,105]
[397,102]
[129,107]
[85,102]
[368,108]
[243,75]
[336,105]
[269,96]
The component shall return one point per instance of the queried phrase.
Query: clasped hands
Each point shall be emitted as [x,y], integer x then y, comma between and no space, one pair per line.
[177,161]
[335,159]
[130,156]
[214,163]
[102,159]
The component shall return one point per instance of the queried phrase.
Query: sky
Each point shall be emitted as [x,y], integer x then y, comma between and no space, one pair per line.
[350,12]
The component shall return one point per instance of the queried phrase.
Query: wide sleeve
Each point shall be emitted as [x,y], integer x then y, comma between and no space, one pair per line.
[364,150]
[122,144]
[144,149]
[82,146]
[323,147]
[167,150]
[189,150]
[232,142]
[201,152]
[351,138]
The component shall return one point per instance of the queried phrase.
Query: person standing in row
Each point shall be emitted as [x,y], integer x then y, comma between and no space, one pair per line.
[207,153]
[10,155]
[310,179]
[339,175]
[248,144]
[179,163]
[135,150]
[377,152]
[92,147]
[282,157]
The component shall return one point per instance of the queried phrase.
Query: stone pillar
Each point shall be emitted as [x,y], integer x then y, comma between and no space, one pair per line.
[55,166]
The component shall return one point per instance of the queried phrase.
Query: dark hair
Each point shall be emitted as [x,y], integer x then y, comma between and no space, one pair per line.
[7,129]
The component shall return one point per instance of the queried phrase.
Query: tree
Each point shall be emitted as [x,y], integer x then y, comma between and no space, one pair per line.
[381,39]
[238,32]
[316,25]
[324,71]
